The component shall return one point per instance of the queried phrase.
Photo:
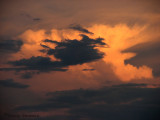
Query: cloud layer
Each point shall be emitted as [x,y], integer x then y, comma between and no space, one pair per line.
[116,102]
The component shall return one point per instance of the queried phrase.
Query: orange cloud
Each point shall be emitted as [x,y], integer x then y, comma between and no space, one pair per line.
[119,38]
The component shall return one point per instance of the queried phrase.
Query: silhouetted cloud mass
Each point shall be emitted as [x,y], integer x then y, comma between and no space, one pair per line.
[72,52]
[69,52]
[12,84]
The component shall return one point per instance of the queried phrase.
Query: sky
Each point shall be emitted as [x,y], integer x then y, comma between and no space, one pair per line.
[80,59]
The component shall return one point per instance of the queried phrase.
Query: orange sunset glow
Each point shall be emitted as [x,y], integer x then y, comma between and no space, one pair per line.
[80,60]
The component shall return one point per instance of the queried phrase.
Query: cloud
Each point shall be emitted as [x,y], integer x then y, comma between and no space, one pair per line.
[27,75]
[118,40]
[79,28]
[69,52]
[36,19]
[73,52]
[105,103]
[11,83]
[31,68]
[147,53]
[59,44]
[131,85]
[42,64]
[8,46]
[88,69]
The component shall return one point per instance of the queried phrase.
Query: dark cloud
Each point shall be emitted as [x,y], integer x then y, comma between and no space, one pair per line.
[88,69]
[39,63]
[72,52]
[36,19]
[39,69]
[69,52]
[111,103]
[147,54]
[9,46]
[44,46]
[131,85]
[11,83]
[33,62]
[79,28]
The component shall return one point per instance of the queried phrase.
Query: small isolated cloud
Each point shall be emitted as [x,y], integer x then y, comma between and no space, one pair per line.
[89,69]
[12,84]
[36,19]
[79,28]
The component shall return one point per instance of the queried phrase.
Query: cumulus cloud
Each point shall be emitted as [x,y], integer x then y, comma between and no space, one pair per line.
[12,84]
[119,38]
[68,47]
